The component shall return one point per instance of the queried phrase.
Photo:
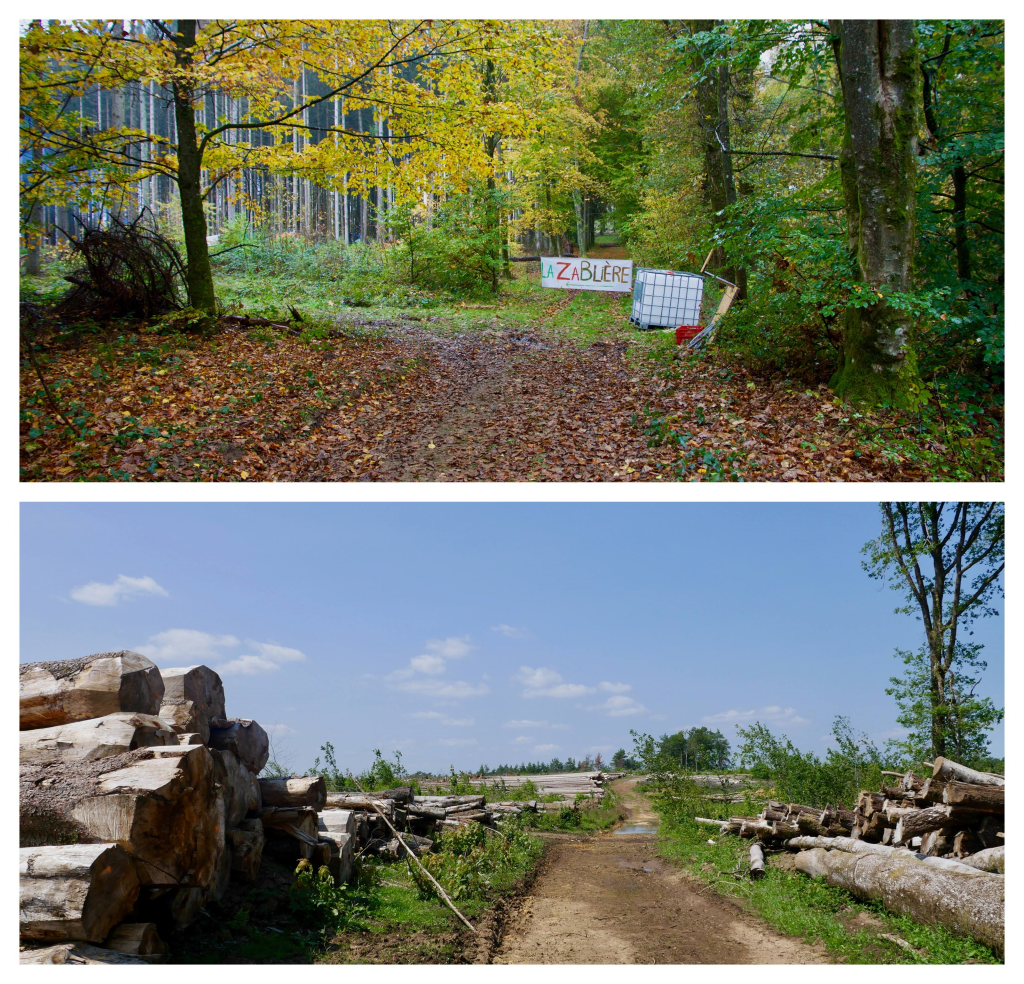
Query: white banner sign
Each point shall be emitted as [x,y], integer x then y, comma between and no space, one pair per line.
[584,274]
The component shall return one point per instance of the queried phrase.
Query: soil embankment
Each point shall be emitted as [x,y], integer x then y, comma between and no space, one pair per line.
[609,900]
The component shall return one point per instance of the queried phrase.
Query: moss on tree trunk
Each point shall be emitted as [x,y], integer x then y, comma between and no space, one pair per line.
[199,273]
[878,67]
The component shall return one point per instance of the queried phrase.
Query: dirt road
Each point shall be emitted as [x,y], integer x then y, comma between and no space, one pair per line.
[609,900]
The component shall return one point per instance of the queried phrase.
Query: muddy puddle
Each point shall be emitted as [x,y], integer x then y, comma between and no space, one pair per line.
[637,828]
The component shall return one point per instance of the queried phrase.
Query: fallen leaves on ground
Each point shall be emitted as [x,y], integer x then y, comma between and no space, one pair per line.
[400,401]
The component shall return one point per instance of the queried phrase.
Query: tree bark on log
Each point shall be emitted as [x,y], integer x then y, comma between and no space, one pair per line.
[756,862]
[159,804]
[246,739]
[75,891]
[991,859]
[297,791]
[92,739]
[360,801]
[245,843]
[965,903]
[933,818]
[946,770]
[63,691]
[989,799]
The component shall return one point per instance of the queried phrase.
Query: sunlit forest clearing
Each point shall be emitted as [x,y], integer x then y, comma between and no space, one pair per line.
[308,250]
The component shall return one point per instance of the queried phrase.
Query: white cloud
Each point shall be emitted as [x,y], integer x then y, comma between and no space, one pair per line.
[279,731]
[427,664]
[544,748]
[270,658]
[454,647]
[521,740]
[545,682]
[439,688]
[443,719]
[773,714]
[619,706]
[520,725]
[183,647]
[96,593]
[454,742]
[247,666]
[510,631]
[615,688]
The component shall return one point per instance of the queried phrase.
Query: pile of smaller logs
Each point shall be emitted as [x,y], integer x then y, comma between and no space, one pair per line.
[929,847]
[569,784]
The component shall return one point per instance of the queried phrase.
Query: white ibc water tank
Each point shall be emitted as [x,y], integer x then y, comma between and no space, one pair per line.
[666,299]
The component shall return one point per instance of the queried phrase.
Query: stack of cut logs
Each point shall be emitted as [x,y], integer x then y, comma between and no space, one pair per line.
[140,802]
[932,848]
[566,784]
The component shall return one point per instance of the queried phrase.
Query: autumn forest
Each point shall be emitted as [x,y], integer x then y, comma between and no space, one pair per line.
[310,250]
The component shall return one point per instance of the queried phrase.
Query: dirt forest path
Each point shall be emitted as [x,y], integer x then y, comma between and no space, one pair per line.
[609,900]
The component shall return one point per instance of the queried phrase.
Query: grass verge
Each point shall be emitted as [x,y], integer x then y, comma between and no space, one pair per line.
[851,930]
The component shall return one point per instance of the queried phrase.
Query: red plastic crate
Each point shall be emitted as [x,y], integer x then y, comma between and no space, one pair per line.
[685,332]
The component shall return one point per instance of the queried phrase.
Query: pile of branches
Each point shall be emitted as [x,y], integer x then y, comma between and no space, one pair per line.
[128,270]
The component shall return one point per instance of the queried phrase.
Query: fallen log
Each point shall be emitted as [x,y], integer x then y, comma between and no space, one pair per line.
[933,818]
[851,846]
[78,953]
[991,859]
[63,691]
[245,842]
[989,799]
[94,738]
[966,902]
[756,862]
[159,804]
[295,791]
[360,801]
[428,812]
[75,891]
[139,939]
[246,739]
[946,770]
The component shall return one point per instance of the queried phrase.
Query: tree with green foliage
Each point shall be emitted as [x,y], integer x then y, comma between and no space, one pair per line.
[698,748]
[947,558]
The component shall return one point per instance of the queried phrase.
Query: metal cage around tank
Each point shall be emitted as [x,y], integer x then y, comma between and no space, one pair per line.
[666,298]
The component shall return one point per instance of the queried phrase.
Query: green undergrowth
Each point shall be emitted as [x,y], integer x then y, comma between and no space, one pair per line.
[580,816]
[851,930]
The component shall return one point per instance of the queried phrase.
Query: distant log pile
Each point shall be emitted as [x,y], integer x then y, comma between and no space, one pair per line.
[567,784]
[930,847]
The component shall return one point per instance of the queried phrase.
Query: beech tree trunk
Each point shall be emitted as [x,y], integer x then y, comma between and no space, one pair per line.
[199,272]
[966,903]
[78,953]
[878,70]
[75,891]
[240,787]
[64,691]
[139,939]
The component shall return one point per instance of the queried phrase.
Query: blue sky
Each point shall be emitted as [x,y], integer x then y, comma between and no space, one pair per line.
[464,634]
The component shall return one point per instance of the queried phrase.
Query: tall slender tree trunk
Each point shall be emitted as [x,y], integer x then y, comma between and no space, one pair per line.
[190,166]
[878,67]
[719,183]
